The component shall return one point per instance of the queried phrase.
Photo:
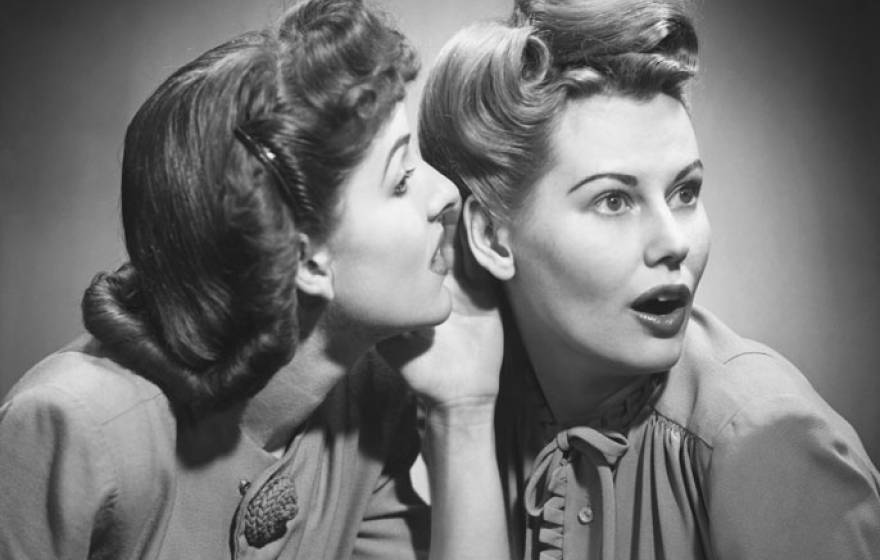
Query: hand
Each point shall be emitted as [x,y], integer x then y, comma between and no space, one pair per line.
[458,361]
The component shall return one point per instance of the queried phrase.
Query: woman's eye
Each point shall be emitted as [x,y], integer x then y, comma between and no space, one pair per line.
[403,185]
[685,195]
[613,203]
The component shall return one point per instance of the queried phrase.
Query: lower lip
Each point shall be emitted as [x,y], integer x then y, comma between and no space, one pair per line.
[663,326]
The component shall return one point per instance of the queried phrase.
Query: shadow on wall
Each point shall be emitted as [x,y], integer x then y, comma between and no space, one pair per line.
[784,111]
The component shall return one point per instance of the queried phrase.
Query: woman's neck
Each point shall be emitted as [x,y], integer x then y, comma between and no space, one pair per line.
[574,384]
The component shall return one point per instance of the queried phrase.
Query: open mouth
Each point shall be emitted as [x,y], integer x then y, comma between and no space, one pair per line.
[663,300]
[441,261]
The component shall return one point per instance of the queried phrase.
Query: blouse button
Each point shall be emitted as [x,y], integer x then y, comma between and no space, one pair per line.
[585,515]
[243,486]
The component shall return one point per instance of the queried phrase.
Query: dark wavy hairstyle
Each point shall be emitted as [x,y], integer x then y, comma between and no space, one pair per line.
[226,163]
[493,97]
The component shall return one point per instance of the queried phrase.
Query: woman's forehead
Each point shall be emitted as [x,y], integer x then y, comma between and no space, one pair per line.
[603,133]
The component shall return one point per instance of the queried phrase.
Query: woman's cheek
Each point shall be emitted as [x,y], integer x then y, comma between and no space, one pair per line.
[602,260]
[701,243]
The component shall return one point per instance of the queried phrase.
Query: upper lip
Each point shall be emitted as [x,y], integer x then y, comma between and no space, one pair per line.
[678,295]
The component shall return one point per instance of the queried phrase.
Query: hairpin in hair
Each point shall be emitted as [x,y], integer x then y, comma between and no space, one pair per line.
[270,161]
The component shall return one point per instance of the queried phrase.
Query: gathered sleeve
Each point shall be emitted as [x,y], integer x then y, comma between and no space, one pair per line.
[789,479]
[56,480]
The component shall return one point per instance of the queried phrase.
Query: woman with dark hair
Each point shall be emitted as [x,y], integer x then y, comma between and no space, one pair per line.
[229,402]
[630,423]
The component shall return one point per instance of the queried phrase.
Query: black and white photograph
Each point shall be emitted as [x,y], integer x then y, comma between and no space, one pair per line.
[398,279]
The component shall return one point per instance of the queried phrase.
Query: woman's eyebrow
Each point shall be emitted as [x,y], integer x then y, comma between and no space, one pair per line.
[628,180]
[696,164]
[631,180]
[398,144]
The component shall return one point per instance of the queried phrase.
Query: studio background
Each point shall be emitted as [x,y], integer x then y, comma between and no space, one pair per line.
[786,112]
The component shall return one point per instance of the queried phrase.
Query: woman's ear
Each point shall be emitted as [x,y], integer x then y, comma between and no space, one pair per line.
[489,242]
[314,276]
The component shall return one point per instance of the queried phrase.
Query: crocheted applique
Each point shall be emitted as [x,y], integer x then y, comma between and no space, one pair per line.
[267,514]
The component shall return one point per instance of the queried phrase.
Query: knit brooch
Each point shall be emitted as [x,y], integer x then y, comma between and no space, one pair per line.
[266,516]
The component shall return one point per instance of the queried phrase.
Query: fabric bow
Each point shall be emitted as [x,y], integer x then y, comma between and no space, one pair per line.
[552,472]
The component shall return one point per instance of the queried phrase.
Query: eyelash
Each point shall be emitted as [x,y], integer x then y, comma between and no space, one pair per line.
[603,199]
[693,187]
[402,186]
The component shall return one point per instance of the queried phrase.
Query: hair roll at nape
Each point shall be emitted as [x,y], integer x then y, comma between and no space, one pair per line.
[113,312]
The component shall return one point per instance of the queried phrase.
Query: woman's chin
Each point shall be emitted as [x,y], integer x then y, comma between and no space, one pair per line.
[425,317]
[659,357]
[437,313]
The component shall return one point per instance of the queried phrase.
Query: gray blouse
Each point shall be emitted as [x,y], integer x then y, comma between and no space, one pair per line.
[94,465]
[731,455]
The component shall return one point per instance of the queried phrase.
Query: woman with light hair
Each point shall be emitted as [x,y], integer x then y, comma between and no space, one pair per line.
[631,423]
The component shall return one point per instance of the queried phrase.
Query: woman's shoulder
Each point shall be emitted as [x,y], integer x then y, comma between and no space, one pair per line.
[79,381]
[722,376]
[81,431]
[773,451]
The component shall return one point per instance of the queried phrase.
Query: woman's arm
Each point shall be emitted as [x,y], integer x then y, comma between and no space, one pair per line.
[454,368]
[788,479]
[468,519]
[54,477]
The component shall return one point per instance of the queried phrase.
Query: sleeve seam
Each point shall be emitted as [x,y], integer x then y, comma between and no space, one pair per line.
[726,425]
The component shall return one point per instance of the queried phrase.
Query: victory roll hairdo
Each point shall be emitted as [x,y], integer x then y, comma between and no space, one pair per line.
[496,90]
[232,158]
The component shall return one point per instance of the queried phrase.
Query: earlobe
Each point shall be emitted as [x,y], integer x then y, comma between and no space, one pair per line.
[314,276]
[489,241]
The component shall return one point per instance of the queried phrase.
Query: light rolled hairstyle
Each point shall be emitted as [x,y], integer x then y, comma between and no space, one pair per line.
[493,97]
[232,158]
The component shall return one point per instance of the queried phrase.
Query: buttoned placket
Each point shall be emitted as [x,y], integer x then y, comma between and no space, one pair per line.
[578,464]
[591,491]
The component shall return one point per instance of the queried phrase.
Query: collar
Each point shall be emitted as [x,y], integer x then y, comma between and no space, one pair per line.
[275,414]
[617,412]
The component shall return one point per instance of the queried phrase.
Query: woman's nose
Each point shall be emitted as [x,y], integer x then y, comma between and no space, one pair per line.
[667,243]
[444,202]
